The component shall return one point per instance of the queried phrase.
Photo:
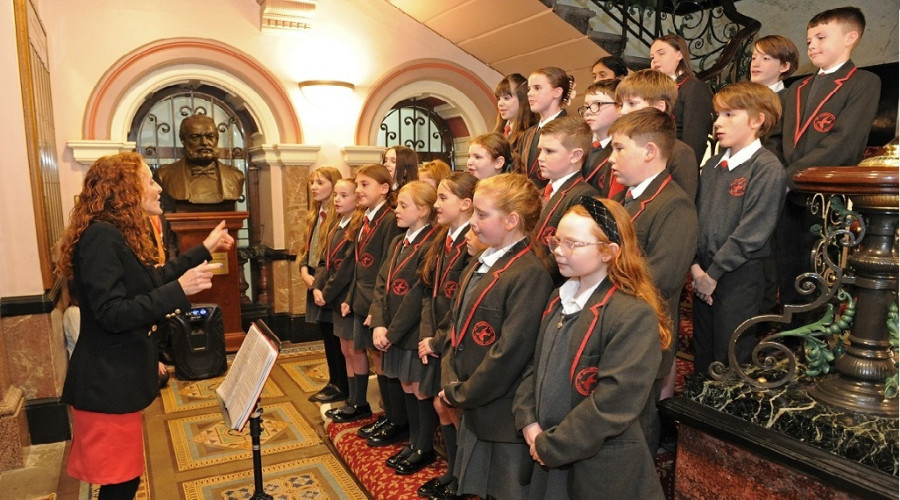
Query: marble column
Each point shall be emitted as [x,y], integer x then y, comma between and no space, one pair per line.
[284,173]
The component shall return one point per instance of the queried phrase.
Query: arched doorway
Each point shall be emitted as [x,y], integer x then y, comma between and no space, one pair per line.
[156,124]
[416,124]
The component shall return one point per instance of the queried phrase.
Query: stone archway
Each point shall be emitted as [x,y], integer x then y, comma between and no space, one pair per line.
[468,97]
[121,89]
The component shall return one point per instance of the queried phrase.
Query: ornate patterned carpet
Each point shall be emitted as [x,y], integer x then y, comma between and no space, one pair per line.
[191,454]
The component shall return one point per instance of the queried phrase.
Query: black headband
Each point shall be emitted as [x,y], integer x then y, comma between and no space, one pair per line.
[601,216]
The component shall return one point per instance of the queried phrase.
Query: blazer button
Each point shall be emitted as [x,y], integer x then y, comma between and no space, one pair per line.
[177,311]
[459,348]
[153,328]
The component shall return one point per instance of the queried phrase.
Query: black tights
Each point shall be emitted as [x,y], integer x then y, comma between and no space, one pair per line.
[120,491]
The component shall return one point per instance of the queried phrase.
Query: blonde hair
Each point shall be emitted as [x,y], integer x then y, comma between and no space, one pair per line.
[628,268]
[513,193]
[650,85]
[423,195]
[332,175]
[435,169]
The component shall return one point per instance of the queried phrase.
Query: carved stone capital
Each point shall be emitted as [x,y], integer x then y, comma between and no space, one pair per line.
[286,14]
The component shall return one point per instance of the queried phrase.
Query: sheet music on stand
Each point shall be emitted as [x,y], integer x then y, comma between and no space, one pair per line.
[243,384]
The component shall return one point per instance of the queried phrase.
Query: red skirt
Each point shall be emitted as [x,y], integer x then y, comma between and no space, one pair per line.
[107,448]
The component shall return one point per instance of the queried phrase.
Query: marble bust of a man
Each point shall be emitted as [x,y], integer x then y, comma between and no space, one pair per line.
[199,181]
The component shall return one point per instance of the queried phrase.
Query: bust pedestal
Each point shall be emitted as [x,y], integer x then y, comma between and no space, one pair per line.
[192,228]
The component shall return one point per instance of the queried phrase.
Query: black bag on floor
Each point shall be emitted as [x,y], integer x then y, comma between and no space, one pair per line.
[197,342]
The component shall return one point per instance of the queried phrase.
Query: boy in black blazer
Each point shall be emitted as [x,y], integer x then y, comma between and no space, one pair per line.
[826,122]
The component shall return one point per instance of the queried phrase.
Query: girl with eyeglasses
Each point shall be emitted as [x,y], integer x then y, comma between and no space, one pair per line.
[595,360]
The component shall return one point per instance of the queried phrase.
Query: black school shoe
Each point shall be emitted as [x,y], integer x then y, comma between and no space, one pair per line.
[367,430]
[329,394]
[352,413]
[430,487]
[389,434]
[446,492]
[398,457]
[415,462]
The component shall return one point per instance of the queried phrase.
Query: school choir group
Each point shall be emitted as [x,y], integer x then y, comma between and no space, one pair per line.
[529,306]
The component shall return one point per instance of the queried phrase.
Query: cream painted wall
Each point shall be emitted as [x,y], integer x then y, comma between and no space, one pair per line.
[351,40]
[20,271]
[789,18]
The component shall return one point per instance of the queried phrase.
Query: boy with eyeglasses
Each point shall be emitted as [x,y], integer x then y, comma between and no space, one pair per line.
[599,112]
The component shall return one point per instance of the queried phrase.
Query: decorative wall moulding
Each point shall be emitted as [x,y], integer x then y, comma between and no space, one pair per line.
[284,155]
[362,155]
[87,152]
[294,15]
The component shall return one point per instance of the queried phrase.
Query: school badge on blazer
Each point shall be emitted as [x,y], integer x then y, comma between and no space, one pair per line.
[548,232]
[586,380]
[824,122]
[450,288]
[399,286]
[366,260]
[483,333]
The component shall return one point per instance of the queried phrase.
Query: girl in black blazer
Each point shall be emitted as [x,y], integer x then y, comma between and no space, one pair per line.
[396,313]
[320,220]
[373,237]
[332,283]
[514,115]
[441,272]
[495,318]
[693,108]
[581,397]
[113,372]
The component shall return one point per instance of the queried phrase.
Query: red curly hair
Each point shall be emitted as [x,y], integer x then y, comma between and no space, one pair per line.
[112,192]
[628,269]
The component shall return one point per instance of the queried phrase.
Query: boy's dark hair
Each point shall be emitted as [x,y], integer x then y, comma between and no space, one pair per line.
[851,19]
[781,48]
[648,125]
[571,131]
[753,98]
[615,64]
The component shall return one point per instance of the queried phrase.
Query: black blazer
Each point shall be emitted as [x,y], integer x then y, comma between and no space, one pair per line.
[528,154]
[445,282]
[370,254]
[399,290]
[496,340]
[335,271]
[612,354]
[693,114]
[113,368]
[833,128]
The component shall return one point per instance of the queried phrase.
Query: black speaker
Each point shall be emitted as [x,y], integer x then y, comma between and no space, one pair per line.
[197,342]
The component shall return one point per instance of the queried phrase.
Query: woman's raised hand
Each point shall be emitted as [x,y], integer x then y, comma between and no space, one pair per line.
[219,240]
